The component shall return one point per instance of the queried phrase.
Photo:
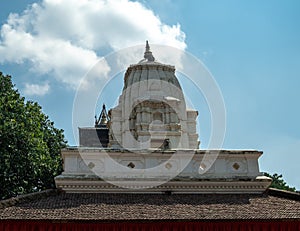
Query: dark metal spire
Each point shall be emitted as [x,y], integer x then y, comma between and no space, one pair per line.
[103,118]
[148,54]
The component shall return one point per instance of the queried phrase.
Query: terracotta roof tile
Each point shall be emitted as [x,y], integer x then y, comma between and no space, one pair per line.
[91,206]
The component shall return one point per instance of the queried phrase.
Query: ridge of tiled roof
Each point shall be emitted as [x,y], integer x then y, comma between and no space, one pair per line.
[56,206]
[284,194]
[27,197]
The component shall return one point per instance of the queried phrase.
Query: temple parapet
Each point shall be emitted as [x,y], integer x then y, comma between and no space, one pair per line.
[233,171]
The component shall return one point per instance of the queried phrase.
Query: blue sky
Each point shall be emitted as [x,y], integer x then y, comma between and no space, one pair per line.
[252,48]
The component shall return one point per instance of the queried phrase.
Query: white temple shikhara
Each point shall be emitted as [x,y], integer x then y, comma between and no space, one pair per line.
[152,110]
[149,143]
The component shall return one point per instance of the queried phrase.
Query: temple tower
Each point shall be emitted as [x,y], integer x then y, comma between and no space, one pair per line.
[152,111]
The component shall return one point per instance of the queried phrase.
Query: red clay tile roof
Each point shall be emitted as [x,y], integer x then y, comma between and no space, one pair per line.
[51,205]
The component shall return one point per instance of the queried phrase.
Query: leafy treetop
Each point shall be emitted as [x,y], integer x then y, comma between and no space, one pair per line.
[279,183]
[29,144]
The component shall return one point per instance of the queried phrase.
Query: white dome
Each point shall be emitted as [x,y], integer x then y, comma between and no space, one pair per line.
[148,69]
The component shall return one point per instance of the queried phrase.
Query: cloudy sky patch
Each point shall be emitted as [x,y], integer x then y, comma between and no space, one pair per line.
[36,89]
[63,38]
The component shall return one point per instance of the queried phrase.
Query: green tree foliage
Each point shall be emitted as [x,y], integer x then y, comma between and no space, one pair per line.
[279,183]
[29,144]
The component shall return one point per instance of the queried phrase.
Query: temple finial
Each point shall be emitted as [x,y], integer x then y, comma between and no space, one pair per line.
[102,120]
[148,54]
[147,46]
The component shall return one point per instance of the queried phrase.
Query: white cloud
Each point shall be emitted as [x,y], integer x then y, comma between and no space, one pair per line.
[63,37]
[36,89]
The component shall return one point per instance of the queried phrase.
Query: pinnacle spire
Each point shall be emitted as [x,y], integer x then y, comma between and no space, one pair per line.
[148,54]
[103,118]
[147,46]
